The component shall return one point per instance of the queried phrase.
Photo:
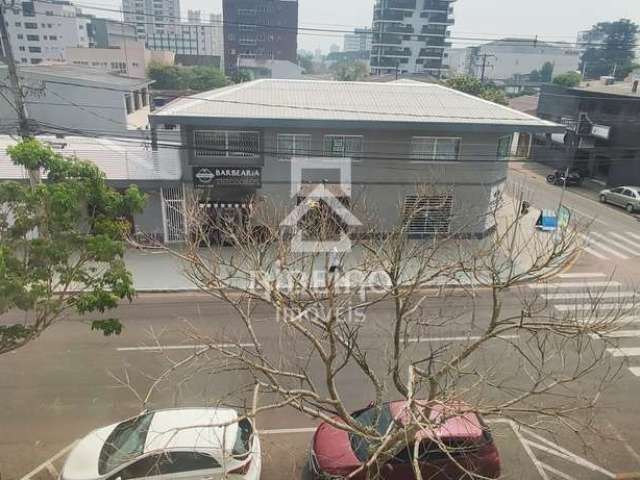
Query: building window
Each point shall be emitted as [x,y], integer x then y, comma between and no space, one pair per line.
[35,49]
[504,147]
[18,24]
[20,36]
[30,25]
[343,145]
[427,215]
[53,37]
[293,145]
[35,61]
[435,148]
[226,143]
[22,49]
[33,38]
[129,103]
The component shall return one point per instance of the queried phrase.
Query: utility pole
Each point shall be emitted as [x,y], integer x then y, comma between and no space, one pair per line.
[484,57]
[24,128]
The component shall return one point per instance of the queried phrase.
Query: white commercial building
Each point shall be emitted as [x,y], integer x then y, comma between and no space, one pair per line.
[503,59]
[359,41]
[130,59]
[68,98]
[42,30]
[157,17]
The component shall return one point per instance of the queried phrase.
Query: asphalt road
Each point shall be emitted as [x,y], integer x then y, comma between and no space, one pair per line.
[71,380]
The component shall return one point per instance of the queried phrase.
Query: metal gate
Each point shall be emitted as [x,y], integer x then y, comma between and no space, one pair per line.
[173,208]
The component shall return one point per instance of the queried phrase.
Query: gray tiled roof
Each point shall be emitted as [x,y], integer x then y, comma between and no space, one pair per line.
[300,100]
[79,74]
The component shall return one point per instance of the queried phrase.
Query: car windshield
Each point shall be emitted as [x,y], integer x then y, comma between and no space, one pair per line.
[242,446]
[380,418]
[125,443]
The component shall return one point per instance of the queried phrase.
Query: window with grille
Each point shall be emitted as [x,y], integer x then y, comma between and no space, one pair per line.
[427,215]
[343,145]
[293,145]
[435,148]
[504,147]
[227,143]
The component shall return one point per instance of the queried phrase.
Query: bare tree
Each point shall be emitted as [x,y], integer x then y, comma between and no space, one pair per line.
[443,323]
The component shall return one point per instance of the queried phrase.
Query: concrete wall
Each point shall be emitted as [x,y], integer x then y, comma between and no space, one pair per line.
[132,56]
[382,177]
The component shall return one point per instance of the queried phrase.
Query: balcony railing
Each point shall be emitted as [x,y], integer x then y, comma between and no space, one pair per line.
[437,5]
[399,28]
[387,39]
[391,52]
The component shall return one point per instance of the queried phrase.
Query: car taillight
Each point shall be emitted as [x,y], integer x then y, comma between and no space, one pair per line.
[241,470]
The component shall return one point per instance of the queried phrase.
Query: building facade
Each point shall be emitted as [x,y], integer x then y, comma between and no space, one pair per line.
[408,148]
[69,98]
[410,36]
[130,59]
[152,17]
[601,136]
[261,30]
[503,60]
[41,30]
[112,34]
[360,40]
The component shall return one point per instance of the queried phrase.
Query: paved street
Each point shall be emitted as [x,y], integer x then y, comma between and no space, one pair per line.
[71,380]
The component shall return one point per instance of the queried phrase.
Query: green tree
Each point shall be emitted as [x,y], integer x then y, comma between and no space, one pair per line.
[306,62]
[349,71]
[198,78]
[569,79]
[615,53]
[62,243]
[473,86]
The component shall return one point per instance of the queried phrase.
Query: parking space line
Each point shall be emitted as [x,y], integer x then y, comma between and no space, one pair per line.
[624,352]
[620,334]
[49,463]
[583,308]
[635,371]
[582,275]
[457,339]
[541,286]
[556,472]
[281,431]
[588,295]
[161,348]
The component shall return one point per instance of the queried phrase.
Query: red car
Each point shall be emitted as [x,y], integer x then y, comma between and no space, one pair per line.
[336,453]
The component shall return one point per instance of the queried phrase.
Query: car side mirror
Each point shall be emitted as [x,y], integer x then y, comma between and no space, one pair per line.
[371,404]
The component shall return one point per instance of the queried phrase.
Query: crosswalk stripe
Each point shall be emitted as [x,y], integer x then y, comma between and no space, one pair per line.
[624,352]
[582,275]
[635,371]
[551,286]
[586,308]
[591,242]
[591,251]
[634,235]
[619,245]
[623,334]
[621,237]
[588,295]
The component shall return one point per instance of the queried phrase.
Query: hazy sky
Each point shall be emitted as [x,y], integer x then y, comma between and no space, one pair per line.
[475,19]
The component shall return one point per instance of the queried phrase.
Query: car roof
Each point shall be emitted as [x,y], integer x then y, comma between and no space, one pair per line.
[462,423]
[195,429]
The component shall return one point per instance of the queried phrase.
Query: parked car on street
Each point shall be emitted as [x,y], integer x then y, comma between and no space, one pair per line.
[627,197]
[336,453]
[183,444]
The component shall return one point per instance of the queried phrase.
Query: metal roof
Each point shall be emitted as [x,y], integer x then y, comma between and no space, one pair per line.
[269,101]
[80,75]
[118,158]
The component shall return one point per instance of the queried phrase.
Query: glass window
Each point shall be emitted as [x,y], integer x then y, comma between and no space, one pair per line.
[242,446]
[292,145]
[380,418]
[435,148]
[125,443]
[617,190]
[227,143]
[343,145]
[504,147]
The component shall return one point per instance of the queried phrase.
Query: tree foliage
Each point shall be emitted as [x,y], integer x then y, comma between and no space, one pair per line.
[198,78]
[616,51]
[62,243]
[350,71]
[306,62]
[569,79]
[473,86]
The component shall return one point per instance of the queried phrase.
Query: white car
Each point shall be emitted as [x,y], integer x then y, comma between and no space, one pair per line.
[184,444]
[627,197]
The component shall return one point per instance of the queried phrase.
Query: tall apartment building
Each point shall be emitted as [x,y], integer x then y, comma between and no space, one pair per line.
[358,41]
[410,36]
[152,17]
[109,33]
[260,30]
[41,30]
[194,38]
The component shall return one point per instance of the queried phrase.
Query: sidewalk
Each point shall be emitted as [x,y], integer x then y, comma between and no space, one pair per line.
[157,271]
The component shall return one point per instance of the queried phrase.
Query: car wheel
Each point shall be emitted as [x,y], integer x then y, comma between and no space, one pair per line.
[630,208]
[603,199]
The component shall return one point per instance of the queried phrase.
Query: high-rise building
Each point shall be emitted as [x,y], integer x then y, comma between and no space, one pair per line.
[410,36]
[40,30]
[152,17]
[358,41]
[260,30]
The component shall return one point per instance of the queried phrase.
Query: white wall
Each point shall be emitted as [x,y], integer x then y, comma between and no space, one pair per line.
[111,59]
